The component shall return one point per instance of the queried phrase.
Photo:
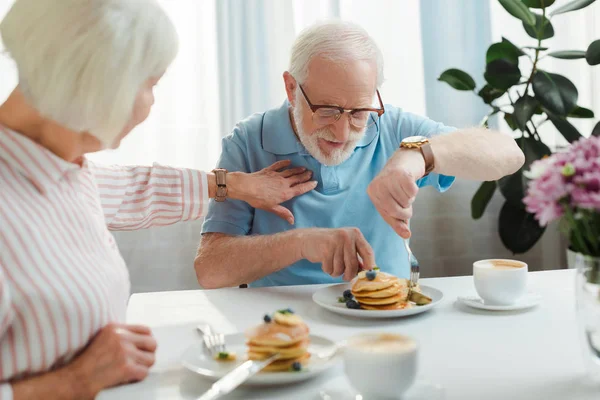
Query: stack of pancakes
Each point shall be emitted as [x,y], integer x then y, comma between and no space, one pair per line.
[285,334]
[384,292]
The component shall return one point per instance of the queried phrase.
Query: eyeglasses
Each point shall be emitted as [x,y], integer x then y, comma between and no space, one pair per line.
[359,117]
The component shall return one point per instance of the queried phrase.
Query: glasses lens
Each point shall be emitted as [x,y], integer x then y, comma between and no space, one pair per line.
[326,116]
[364,119]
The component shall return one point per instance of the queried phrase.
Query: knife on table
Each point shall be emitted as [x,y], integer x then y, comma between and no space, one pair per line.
[236,377]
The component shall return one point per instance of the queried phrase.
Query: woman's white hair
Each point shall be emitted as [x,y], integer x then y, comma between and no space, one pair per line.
[339,41]
[81,63]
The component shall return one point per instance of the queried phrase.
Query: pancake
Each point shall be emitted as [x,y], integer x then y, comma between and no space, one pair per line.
[382,281]
[381,301]
[387,292]
[283,333]
[277,335]
[286,365]
[263,352]
[396,306]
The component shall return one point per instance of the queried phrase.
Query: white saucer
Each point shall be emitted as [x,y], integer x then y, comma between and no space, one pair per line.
[421,390]
[528,301]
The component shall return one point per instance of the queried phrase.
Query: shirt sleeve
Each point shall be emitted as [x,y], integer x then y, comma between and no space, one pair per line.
[232,217]
[142,197]
[6,392]
[6,310]
[6,317]
[414,125]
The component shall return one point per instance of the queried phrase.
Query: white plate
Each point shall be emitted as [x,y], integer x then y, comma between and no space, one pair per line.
[197,360]
[528,301]
[327,297]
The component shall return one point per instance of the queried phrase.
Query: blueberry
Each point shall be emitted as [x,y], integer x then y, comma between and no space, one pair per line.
[371,275]
[289,311]
[348,294]
[296,366]
[267,318]
[353,304]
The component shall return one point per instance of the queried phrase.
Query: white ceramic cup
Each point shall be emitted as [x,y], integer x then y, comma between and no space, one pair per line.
[500,282]
[381,365]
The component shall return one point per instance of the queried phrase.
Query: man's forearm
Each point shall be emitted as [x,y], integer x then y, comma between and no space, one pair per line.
[225,261]
[477,154]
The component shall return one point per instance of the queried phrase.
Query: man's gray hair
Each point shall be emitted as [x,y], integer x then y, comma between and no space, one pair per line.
[339,41]
[81,63]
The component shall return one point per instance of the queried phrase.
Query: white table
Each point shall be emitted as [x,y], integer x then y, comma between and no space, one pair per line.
[472,354]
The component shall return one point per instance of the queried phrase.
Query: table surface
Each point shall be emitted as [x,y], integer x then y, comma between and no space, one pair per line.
[472,354]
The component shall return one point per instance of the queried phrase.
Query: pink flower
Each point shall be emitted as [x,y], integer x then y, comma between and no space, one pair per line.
[566,179]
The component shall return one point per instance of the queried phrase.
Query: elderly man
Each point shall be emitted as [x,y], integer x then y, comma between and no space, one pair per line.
[368,161]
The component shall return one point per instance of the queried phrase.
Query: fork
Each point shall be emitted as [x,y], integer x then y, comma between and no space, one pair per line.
[214,342]
[414,265]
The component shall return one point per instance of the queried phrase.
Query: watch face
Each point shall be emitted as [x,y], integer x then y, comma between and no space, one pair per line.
[414,139]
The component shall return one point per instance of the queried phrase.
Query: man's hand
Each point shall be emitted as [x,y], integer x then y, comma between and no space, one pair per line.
[271,186]
[338,250]
[394,190]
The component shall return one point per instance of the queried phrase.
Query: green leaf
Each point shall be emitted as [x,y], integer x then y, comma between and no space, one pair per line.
[596,130]
[592,55]
[581,112]
[546,33]
[502,73]
[518,229]
[565,128]
[568,54]
[524,108]
[510,121]
[535,48]
[538,3]
[572,6]
[489,94]
[518,10]
[504,49]
[513,187]
[555,92]
[458,79]
[481,198]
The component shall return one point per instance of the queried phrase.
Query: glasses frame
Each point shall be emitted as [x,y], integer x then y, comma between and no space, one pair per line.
[314,107]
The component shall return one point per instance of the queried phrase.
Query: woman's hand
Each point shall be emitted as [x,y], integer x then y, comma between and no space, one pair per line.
[117,354]
[268,188]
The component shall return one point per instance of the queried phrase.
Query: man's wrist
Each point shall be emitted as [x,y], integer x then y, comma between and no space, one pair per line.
[411,160]
[236,186]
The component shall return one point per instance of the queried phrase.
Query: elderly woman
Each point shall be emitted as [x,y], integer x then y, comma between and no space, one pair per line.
[86,74]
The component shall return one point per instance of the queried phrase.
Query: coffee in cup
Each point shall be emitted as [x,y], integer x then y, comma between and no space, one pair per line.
[500,282]
[381,365]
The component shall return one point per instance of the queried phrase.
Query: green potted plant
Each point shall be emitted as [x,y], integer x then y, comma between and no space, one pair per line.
[526,101]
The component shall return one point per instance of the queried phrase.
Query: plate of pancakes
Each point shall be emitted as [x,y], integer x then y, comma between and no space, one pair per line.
[377,294]
[283,333]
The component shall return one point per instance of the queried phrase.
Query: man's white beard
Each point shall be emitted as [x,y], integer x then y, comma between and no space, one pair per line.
[311,142]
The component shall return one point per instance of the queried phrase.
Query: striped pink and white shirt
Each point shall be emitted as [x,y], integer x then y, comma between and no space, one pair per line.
[61,275]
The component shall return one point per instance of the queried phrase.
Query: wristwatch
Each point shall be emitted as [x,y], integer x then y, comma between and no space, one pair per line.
[221,179]
[421,143]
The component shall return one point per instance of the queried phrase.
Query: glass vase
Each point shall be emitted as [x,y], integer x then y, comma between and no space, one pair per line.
[588,311]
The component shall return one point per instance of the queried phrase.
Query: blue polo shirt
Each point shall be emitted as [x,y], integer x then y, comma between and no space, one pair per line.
[340,198]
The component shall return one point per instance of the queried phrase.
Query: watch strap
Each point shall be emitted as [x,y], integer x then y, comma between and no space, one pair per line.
[428,157]
[221,181]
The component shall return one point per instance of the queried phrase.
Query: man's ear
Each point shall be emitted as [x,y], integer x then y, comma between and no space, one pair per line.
[290,87]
